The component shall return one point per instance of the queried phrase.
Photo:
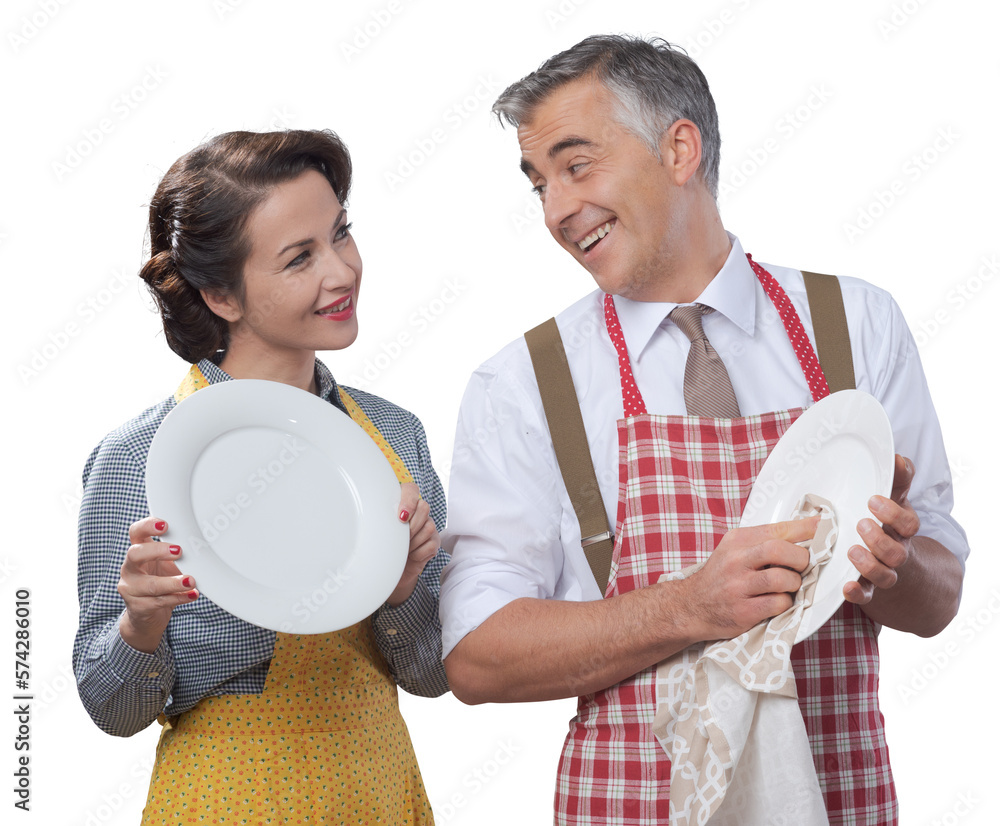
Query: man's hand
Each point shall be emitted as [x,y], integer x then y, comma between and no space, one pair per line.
[751,576]
[889,546]
[543,649]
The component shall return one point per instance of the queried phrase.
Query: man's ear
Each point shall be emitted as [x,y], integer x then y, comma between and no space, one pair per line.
[224,306]
[680,148]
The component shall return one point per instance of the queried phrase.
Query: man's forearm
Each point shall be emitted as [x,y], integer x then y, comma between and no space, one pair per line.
[533,649]
[926,595]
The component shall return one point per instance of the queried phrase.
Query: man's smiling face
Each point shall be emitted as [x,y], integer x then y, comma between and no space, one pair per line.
[607,199]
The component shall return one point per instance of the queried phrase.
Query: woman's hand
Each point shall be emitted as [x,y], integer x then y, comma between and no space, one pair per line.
[424,541]
[151,585]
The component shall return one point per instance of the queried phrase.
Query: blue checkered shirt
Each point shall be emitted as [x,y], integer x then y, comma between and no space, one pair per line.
[207,651]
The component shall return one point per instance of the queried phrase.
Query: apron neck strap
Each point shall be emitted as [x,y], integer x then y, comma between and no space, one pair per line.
[632,400]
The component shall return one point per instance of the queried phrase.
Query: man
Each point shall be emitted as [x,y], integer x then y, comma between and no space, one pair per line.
[619,137]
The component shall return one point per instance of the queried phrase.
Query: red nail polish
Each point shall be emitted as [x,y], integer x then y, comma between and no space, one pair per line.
[175,549]
[160,526]
[186,582]
[192,595]
[404,515]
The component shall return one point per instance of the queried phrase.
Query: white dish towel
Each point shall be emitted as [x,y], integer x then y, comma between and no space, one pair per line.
[728,716]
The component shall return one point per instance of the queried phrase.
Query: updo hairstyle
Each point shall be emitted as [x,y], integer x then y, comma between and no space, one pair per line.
[198,218]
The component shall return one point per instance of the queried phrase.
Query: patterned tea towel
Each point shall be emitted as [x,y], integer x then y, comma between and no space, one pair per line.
[728,716]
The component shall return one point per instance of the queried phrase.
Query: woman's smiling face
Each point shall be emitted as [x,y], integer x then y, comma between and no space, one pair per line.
[302,276]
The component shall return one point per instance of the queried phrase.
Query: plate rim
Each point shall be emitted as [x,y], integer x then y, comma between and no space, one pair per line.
[845,533]
[260,398]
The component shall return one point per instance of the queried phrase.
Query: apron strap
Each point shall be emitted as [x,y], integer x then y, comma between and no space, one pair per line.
[569,438]
[833,343]
[355,412]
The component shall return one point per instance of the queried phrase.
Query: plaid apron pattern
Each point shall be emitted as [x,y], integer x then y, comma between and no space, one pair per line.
[683,483]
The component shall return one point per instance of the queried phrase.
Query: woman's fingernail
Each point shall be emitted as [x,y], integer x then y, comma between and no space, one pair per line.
[160,525]
[175,549]
[192,595]
[186,582]
[404,515]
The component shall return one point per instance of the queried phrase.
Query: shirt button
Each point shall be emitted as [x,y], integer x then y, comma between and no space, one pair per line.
[153,674]
[391,632]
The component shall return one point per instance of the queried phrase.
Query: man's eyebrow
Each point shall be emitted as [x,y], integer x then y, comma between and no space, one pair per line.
[568,143]
[556,148]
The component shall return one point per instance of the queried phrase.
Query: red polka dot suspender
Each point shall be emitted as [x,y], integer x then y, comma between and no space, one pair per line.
[818,387]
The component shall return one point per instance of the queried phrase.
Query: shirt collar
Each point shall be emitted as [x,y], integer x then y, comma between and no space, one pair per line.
[328,389]
[731,292]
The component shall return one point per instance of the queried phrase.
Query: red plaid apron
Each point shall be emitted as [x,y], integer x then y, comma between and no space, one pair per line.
[683,482]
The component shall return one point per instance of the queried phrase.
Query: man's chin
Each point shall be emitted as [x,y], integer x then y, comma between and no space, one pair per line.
[606,282]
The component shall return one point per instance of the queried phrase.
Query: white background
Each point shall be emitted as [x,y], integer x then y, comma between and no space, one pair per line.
[823,107]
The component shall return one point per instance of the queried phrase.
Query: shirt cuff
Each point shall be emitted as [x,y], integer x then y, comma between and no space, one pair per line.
[133,666]
[399,626]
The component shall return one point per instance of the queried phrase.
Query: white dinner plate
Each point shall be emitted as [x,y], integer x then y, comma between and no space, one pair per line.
[841,448]
[285,509]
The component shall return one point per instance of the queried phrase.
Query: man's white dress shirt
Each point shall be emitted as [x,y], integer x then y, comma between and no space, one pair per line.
[512,530]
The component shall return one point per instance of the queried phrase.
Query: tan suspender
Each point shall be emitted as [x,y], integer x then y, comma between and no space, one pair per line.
[833,344]
[562,409]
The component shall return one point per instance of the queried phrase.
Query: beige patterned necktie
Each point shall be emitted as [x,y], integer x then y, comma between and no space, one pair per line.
[707,388]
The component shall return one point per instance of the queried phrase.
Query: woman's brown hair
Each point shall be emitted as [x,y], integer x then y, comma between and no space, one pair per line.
[198,218]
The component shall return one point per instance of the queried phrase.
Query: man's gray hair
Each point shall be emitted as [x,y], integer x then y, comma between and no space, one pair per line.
[654,82]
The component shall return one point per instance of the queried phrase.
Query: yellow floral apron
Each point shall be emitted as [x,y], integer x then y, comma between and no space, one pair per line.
[323,743]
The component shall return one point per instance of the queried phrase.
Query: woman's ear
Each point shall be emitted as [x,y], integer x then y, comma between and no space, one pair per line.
[224,306]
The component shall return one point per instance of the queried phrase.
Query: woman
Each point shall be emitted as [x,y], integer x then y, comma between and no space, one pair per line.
[253,269]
